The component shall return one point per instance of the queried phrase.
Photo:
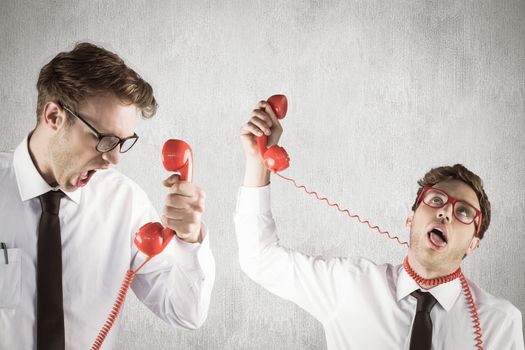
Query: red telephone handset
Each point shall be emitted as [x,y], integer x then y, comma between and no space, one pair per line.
[152,238]
[275,158]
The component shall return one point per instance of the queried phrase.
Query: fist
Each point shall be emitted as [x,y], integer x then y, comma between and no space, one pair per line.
[183,209]
[263,121]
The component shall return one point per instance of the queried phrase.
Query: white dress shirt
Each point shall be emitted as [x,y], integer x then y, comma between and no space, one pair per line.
[98,223]
[360,304]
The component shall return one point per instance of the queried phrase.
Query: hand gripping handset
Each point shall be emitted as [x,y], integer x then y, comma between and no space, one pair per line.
[152,238]
[274,158]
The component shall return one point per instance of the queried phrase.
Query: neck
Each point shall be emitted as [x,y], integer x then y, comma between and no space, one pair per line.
[38,150]
[431,267]
[428,283]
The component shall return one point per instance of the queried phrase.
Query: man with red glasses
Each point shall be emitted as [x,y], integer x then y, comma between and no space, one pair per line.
[68,219]
[425,303]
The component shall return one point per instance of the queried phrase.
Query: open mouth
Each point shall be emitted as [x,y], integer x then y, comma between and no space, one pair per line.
[84,177]
[438,238]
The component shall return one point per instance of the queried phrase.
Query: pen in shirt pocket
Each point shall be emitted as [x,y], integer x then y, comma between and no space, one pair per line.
[3,246]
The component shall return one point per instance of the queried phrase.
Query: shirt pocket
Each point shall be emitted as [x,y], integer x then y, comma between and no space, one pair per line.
[10,275]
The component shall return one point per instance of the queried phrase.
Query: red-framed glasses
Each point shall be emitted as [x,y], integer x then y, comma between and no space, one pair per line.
[462,211]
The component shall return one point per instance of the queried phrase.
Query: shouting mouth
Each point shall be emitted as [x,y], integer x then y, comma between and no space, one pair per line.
[437,238]
[84,177]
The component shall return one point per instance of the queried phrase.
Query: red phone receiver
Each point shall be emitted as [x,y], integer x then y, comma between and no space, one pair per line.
[152,238]
[275,158]
[178,157]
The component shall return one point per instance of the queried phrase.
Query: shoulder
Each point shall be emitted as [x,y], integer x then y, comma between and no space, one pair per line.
[115,184]
[7,178]
[493,306]
[6,160]
[6,168]
[368,266]
[359,266]
[113,178]
[359,273]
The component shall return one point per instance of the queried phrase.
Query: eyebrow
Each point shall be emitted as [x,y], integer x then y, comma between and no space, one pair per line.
[97,127]
[92,123]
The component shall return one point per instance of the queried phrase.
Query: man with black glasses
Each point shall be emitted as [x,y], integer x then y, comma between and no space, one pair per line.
[68,220]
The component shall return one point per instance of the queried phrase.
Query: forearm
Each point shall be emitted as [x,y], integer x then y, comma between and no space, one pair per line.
[304,280]
[260,255]
[178,287]
[256,174]
[188,301]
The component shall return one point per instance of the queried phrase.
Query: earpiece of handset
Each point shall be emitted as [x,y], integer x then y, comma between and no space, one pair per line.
[177,156]
[275,158]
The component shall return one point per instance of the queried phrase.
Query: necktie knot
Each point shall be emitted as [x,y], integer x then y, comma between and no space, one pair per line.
[425,300]
[50,201]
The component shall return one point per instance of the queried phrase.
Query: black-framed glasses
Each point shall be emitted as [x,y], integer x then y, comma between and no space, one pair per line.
[462,211]
[107,142]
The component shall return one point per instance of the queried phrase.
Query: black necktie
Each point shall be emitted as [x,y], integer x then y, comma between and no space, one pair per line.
[421,338]
[50,312]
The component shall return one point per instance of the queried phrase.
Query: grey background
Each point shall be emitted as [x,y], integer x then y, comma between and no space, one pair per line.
[379,92]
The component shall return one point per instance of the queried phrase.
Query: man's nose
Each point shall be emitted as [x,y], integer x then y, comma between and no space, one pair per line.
[445,212]
[112,156]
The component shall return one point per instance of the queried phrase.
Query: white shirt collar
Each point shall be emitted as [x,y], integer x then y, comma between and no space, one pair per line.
[30,183]
[446,294]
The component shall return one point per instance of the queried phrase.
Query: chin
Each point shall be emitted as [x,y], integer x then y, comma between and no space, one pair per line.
[70,189]
[67,186]
[426,257]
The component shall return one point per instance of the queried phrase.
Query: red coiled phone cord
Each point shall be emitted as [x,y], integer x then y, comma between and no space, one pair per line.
[466,290]
[345,211]
[419,280]
[128,279]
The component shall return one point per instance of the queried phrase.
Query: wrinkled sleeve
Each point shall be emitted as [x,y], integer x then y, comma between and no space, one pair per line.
[310,282]
[176,284]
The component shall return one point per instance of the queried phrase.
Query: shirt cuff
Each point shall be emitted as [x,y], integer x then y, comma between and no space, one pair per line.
[192,255]
[254,200]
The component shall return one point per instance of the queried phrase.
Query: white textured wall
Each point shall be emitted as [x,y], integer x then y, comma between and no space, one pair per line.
[379,92]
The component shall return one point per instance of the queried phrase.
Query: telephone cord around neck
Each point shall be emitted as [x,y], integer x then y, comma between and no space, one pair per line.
[418,279]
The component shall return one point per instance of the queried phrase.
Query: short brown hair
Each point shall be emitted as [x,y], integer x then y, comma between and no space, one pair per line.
[459,172]
[86,71]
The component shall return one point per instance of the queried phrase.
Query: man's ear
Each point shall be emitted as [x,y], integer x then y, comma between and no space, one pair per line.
[474,244]
[408,221]
[53,116]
